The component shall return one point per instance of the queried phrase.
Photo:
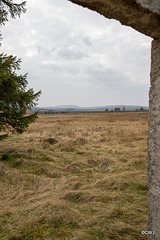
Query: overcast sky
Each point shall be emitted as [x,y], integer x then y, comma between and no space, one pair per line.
[76,56]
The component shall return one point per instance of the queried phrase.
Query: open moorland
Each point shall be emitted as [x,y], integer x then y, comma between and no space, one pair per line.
[75,176]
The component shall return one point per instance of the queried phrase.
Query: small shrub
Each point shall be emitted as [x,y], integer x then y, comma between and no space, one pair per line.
[5,157]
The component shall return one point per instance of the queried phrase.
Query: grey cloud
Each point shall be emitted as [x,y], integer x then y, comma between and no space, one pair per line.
[88,61]
[107,76]
[45,50]
[71,54]
[86,40]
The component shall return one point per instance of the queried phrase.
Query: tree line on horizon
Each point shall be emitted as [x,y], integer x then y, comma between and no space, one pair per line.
[141,109]
[117,109]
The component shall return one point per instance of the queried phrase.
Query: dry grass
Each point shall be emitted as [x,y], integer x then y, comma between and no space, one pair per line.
[75,176]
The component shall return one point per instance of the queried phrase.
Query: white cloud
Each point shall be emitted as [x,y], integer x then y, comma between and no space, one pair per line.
[77,56]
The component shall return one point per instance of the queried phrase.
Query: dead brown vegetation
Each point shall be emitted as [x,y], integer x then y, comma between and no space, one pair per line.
[75,176]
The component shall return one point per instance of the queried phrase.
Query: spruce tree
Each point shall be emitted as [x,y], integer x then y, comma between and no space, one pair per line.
[7,7]
[15,100]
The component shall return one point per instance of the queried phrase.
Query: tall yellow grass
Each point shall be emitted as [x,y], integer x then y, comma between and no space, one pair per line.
[75,176]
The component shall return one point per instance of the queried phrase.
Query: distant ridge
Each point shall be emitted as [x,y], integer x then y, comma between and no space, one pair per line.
[95,108]
[63,106]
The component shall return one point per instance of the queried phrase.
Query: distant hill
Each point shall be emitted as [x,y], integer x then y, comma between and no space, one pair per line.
[70,108]
[63,107]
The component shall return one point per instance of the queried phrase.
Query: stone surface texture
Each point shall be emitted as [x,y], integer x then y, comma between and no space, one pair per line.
[142,15]
[153,5]
[154,144]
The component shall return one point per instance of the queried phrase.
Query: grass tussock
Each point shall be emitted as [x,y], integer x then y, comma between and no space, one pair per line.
[75,176]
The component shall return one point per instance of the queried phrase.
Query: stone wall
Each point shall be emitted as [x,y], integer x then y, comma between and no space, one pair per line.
[154,144]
